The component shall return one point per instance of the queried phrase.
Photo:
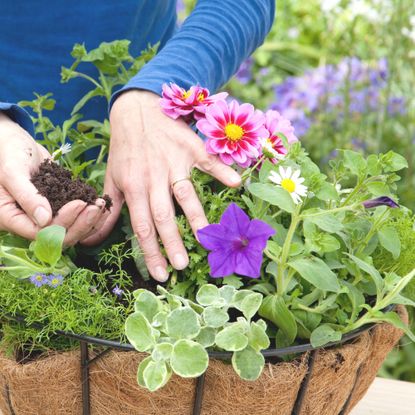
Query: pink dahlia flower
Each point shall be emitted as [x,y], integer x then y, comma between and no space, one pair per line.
[177,102]
[233,132]
[276,124]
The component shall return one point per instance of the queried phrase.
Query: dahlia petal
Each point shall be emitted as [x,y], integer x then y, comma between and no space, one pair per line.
[226,158]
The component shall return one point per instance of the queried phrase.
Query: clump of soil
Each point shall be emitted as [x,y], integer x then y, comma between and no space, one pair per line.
[57,185]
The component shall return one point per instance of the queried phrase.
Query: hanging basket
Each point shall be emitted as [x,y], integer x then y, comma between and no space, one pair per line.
[325,381]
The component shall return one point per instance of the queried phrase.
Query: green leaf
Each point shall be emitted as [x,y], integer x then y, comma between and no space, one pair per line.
[274,195]
[227,292]
[139,332]
[324,334]
[183,323]
[189,359]
[140,372]
[148,304]
[371,270]
[389,239]
[155,375]
[257,337]
[326,222]
[206,337]
[394,319]
[215,316]
[232,338]
[250,305]
[48,244]
[354,161]
[162,352]
[274,309]
[316,272]
[91,94]
[393,162]
[248,363]
[209,294]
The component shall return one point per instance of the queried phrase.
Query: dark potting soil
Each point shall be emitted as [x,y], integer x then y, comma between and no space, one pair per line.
[57,185]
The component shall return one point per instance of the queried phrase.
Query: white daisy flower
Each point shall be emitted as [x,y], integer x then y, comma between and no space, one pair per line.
[290,181]
[62,150]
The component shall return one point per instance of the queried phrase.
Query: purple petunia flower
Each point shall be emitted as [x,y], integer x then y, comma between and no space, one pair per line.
[236,243]
[380,201]
[38,279]
[54,280]
[117,291]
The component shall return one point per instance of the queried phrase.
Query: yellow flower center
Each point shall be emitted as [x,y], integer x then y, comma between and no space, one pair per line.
[186,94]
[234,132]
[288,185]
[55,281]
[201,97]
[39,278]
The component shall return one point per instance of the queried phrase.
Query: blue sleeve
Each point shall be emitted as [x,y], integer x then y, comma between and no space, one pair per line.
[209,47]
[18,115]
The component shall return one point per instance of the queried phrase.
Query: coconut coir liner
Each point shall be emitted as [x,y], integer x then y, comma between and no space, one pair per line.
[52,385]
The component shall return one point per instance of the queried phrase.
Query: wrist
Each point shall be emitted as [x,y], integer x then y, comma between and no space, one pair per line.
[130,99]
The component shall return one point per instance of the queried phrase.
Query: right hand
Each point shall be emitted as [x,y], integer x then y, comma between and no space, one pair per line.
[20,157]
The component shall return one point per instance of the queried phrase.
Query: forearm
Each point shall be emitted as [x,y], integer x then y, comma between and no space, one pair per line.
[210,46]
[12,113]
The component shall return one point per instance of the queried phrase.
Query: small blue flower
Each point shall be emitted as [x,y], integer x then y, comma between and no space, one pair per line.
[38,279]
[54,280]
[118,291]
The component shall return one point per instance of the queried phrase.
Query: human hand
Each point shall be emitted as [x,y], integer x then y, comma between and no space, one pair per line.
[20,156]
[150,158]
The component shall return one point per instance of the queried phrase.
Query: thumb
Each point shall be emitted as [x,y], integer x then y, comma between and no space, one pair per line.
[27,196]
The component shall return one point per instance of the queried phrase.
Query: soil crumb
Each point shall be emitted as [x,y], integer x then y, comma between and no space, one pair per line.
[56,184]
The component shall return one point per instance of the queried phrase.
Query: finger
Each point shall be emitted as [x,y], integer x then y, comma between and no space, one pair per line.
[68,214]
[144,229]
[110,219]
[13,219]
[186,196]
[27,196]
[43,152]
[163,217]
[84,224]
[213,166]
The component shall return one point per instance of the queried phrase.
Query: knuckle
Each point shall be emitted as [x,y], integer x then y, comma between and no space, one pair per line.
[144,231]
[154,258]
[209,163]
[182,190]
[161,215]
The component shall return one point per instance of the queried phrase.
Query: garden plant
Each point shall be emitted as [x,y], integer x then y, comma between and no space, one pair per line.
[295,255]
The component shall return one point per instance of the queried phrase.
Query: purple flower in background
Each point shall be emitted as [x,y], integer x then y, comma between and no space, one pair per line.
[380,201]
[396,105]
[54,280]
[236,243]
[117,291]
[38,279]
[244,73]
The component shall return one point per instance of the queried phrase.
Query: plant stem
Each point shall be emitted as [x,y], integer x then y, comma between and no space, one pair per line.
[295,220]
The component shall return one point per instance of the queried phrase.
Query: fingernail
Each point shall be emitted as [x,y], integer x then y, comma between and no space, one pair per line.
[180,261]
[92,215]
[235,179]
[161,274]
[100,203]
[41,216]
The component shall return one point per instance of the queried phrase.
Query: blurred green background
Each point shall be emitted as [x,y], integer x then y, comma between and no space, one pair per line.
[343,72]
